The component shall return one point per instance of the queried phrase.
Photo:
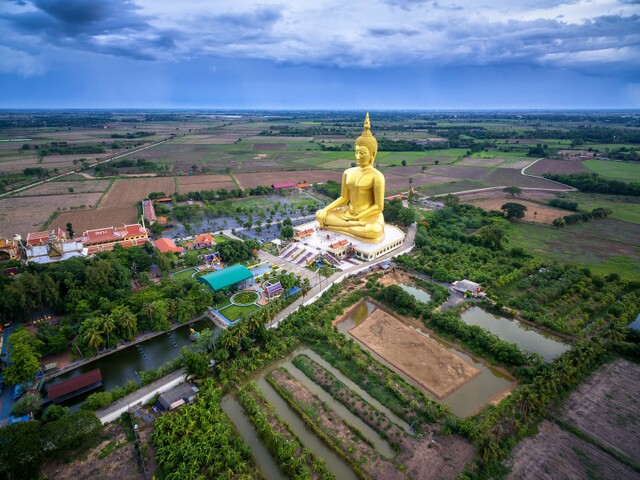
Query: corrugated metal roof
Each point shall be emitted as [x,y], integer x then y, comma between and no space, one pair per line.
[226,277]
[73,384]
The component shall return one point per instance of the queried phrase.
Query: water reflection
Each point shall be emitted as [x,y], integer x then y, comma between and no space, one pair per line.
[511,330]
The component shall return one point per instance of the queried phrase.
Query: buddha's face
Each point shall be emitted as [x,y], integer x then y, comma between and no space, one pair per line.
[363,157]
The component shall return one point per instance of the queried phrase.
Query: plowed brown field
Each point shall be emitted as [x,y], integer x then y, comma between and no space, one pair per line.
[125,193]
[606,407]
[555,453]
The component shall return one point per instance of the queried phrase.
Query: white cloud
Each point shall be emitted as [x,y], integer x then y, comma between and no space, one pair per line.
[359,33]
[19,62]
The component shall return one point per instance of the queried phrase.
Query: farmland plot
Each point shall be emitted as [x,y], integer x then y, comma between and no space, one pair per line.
[28,214]
[535,212]
[195,183]
[97,218]
[606,407]
[555,453]
[556,166]
[125,193]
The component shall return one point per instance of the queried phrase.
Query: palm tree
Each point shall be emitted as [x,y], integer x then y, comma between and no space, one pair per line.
[107,326]
[93,338]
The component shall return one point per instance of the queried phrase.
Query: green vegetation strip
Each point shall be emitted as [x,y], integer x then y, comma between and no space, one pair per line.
[198,441]
[292,457]
[350,399]
[403,399]
[346,440]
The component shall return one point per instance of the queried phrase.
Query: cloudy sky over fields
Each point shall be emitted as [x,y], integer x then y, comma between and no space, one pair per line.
[376,54]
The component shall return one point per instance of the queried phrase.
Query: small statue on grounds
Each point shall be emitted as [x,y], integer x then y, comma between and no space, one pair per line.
[358,210]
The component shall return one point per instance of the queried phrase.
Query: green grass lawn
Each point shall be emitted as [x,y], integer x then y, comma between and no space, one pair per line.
[624,208]
[604,246]
[233,312]
[617,170]
[185,274]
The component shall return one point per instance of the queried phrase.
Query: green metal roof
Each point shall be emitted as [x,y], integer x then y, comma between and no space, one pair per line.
[226,277]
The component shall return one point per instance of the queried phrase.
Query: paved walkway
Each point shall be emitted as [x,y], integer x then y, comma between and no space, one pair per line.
[324,283]
[140,396]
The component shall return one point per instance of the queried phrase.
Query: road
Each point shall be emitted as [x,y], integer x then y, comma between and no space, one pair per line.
[78,170]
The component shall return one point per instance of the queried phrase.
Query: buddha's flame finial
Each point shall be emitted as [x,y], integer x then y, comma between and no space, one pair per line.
[367,122]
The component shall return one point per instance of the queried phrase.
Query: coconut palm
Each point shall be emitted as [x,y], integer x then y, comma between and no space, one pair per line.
[107,325]
[93,338]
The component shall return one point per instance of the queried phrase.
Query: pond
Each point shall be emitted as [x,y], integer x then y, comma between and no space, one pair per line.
[463,401]
[124,365]
[418,293]
[511,330]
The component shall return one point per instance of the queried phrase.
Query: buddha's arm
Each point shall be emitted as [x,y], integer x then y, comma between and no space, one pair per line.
[343,199]
[378,199]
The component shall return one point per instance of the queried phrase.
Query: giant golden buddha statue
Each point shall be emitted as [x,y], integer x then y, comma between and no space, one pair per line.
[358,210]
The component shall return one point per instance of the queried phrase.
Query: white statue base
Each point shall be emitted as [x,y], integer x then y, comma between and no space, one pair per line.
[344,249]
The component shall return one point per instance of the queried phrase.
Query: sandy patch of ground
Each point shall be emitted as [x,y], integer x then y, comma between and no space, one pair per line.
[556,453]
[535,212]
[427,362]
[606,407]
[119,460]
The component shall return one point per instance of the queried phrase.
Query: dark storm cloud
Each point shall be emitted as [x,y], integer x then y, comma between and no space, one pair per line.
[105,26]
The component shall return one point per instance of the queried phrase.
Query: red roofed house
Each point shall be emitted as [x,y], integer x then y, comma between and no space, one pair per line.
[203,241]
[104,239]
[167,245]
[340,248]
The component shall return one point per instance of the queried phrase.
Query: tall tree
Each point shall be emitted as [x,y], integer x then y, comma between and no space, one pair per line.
[513,191]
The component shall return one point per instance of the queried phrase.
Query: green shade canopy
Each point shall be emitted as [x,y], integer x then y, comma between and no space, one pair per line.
[226,277]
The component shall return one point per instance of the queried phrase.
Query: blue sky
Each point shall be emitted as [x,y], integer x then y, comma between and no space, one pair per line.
[334,54]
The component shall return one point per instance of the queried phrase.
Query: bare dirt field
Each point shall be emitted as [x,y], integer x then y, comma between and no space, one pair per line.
[510,176]
[62,188]
[114,458]
[250,180]
[556,166]
[556,453]
[196,183]
[427,362]
[463,173]
[543,214]
[27,214]
[89,219]
[269,146]
[606,407]
[125,193]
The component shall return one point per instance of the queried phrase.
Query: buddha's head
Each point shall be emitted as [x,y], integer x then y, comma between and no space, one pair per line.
[368,141]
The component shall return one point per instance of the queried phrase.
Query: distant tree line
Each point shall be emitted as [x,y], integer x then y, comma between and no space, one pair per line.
[592,182]
[564,204]
[133,135]
[581,217]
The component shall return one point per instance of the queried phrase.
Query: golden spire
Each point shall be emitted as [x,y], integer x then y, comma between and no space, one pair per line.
[366,138]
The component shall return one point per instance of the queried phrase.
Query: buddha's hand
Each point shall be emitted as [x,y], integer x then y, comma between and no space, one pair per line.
[321,216]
